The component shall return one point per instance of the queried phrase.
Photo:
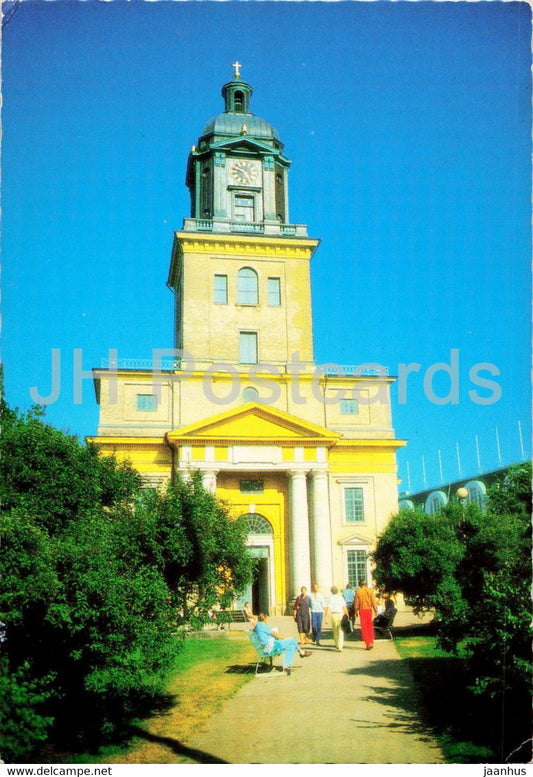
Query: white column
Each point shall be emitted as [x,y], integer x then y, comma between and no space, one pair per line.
[300,567]
[321,532]
[209,480]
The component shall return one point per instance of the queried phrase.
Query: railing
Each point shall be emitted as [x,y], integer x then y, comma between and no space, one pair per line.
[148,365]
[171,364]
[355,370]
[203,225]
[288,229]
[248,227]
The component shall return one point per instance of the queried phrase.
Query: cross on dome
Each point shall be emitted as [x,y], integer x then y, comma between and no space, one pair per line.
[237,65]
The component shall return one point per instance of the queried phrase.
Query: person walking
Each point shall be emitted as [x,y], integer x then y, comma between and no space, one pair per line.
[301,614]
[349,598]
[317,613]
[337,608]
[366,608]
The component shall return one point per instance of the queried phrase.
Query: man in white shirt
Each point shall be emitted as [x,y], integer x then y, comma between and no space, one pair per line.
[337,608]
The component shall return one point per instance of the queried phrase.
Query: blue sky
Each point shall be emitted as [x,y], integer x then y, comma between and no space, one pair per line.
[409,129]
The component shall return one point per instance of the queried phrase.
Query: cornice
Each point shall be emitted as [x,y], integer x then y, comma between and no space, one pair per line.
[197,242]
[177,440]
[368,442]
[128,442]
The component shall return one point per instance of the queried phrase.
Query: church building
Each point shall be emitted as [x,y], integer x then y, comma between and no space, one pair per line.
[306,454]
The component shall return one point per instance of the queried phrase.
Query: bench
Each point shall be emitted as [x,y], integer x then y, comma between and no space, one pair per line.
[230,616]
[262,657]
[383,622]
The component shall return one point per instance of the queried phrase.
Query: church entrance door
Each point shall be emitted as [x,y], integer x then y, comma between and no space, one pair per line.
[260,592]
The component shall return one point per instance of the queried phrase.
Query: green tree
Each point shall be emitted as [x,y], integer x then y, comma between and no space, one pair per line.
[54,477]
[97,577]
[201,549]
[418,557]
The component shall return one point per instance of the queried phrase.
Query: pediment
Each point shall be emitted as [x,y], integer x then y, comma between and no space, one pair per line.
[254,422]
[354,539]
[244,144]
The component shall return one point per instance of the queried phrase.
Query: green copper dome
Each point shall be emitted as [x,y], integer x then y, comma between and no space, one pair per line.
[231,124]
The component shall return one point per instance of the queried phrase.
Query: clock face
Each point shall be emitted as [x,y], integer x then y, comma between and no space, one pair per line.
[244,172]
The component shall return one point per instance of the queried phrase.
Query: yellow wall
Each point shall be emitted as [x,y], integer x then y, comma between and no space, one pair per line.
[210,331]
[187,398]
[272,505]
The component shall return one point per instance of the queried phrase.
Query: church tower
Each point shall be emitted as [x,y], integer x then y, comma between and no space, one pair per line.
[240,269]
[305,454]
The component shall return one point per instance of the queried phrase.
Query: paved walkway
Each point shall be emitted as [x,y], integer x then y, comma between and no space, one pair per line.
[357,706]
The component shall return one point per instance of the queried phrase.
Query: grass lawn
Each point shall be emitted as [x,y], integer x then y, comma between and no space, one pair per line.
[463,724]
[208,671]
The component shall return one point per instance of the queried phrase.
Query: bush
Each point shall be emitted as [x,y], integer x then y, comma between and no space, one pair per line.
[473,569]
[23,726]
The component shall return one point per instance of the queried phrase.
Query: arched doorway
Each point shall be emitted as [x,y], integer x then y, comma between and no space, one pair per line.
[260,542]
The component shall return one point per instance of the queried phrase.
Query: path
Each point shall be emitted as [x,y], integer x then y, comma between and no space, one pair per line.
[357,706]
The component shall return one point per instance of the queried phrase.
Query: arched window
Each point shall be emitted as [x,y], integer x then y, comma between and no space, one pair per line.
[406,504]
[247,286]
[476,492]
[250,394]
[256,524]
[435,502]
[239,102]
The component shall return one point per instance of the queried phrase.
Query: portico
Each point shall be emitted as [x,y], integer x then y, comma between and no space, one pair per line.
[281,475]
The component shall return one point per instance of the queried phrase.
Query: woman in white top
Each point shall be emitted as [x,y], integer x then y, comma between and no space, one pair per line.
[337,608]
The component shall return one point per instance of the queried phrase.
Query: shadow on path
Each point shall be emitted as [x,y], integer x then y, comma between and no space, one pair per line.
[439,701]
[398,694]
[177,747]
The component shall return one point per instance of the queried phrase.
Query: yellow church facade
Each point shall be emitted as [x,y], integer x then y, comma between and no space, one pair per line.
[307,453]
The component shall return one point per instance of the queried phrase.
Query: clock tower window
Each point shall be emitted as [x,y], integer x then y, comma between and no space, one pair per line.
[244,208]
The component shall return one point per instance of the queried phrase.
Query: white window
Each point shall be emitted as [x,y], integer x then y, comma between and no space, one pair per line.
[274,292]
[354,507]
[146,403]
[349,407]
[435,502]
[221,289]
[476,492]
[243,208]
[247,293]
[248,347]
[356,562]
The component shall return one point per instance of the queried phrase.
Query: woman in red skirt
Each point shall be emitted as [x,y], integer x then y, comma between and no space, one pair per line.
[366,608]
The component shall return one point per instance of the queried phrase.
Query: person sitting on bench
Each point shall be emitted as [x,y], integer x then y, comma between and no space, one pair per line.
[385,619]
[275,645]
[248,614]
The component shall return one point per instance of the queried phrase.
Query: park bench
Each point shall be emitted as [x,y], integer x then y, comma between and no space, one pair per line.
[383,622]
[262,657]
[230,616]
